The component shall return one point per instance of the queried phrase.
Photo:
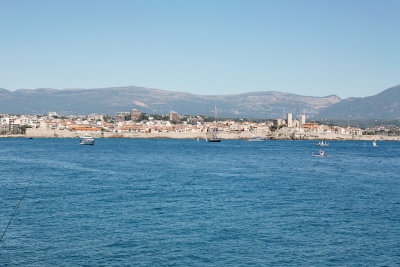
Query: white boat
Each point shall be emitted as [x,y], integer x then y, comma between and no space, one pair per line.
[321,153]
[87,140]
[256,139]
[374,144]
[322,143]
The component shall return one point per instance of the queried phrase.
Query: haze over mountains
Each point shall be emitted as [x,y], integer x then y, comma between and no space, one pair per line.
[264,104]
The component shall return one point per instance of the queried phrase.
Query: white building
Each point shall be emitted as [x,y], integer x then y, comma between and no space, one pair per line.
[52,114]
[302,119]
[289,120]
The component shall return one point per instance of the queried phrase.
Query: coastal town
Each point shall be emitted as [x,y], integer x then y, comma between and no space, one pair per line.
[136,124]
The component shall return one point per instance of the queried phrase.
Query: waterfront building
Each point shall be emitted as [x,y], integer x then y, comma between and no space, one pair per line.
[173,116]
[310,127]
[302,119]
[289,121]
[279,122]
[120,116]
[52,114]
[96,117]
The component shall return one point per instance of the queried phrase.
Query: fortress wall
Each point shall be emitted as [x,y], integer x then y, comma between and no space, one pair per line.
[45,133]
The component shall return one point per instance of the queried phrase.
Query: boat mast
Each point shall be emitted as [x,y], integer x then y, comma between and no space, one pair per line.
[215,113]
[215,130]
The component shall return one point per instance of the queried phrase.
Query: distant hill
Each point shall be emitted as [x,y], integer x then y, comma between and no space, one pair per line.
[116,99]
[385,105]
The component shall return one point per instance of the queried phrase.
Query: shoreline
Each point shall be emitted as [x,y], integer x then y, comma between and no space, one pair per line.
[201,136]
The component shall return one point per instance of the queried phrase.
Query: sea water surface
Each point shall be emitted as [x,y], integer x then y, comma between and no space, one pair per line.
[147,202]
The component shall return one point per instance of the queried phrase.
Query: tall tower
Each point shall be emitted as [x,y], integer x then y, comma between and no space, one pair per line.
[302,119]
[173,116]
[289,120]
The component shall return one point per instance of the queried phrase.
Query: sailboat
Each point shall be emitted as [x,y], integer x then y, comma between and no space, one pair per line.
[212,136]
[322,143]
[374,144]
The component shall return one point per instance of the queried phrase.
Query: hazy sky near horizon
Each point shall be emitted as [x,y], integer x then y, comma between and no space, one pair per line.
[308,47]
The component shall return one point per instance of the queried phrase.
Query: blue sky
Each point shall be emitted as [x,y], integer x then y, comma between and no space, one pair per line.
[321,47]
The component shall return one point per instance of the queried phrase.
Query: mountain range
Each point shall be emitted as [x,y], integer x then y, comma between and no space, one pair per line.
[385,105]
[264,104]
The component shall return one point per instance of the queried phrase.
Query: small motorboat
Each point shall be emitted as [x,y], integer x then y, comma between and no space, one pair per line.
[321,153]
[87,140]
[256,139]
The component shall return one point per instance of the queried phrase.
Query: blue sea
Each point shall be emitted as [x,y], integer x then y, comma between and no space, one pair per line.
[148,202]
